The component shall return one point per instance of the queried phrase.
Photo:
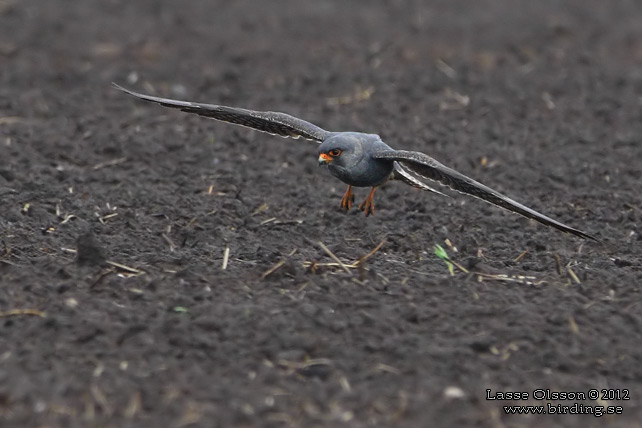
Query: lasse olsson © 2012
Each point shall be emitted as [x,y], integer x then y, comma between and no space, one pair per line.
[547,394]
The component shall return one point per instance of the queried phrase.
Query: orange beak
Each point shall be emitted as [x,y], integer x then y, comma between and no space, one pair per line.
[324,159]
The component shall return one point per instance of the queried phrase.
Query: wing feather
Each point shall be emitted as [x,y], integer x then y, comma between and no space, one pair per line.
[399,173]
[274,123]
[425,166]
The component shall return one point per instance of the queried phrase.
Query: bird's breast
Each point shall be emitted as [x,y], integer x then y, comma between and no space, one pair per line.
[368,172]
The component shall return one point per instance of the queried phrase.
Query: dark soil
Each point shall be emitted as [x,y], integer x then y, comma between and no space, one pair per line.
[115,214]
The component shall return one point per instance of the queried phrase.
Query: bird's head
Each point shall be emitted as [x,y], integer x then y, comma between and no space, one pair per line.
[340,150]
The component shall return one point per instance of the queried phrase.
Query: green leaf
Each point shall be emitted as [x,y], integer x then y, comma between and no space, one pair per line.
[443,255]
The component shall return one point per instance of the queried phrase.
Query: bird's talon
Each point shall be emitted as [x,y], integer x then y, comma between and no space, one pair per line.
[367,206]
[347,200]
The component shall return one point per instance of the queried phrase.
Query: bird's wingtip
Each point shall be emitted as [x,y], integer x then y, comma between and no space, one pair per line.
[591,238]
[120,88]
[582,235]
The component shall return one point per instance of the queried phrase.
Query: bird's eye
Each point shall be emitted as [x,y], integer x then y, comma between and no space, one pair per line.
[334,152]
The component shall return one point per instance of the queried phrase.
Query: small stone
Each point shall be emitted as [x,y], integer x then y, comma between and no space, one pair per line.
[454,392]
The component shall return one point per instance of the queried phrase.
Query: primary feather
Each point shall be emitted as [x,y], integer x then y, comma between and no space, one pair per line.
[429,168]
[274,123]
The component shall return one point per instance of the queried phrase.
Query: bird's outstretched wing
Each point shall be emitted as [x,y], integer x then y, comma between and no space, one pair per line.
[266,121]
[425,166]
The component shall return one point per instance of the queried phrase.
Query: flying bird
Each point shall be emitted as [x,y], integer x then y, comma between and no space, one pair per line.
[359,159]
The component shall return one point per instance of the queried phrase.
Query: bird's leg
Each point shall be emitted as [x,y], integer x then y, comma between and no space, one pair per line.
[347,200]
[368,204]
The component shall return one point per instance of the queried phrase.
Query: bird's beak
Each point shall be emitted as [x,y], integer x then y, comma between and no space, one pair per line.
[324,159]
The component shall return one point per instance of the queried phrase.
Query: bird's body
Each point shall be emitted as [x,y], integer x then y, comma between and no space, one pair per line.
[356,166]
[360,159]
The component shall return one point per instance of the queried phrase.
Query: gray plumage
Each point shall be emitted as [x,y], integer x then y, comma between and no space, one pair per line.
[274,123]
[356,166]
[359,159]
[427,167]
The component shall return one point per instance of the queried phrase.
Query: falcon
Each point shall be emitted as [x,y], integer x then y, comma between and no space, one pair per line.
[359,159]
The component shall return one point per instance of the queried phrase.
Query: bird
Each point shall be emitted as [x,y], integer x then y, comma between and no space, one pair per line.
[360,159]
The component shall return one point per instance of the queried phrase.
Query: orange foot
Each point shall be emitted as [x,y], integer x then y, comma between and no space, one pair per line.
[347,200]
[368,204]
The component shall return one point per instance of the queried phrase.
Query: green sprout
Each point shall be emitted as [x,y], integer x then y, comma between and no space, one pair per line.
[443,255]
